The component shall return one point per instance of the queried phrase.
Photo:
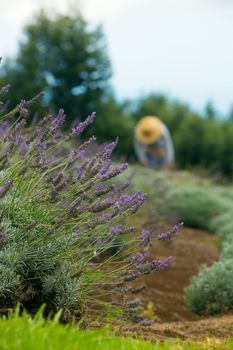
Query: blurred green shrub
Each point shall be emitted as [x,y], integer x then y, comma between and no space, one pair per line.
[211,208]
[196,205]
[212,290]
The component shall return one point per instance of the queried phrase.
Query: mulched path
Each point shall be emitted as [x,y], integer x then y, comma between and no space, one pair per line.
[213,327]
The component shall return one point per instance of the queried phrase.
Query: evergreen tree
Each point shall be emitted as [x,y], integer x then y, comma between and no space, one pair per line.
[64,56]
[210,111]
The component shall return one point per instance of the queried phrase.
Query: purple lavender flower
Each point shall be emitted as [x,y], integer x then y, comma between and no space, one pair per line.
[121,229]
[154,265]
[165,236]
[4,126]
[88,170]
[74,155]
[158,264]
[81,152]
[79,172]
[3,235]
[76,204]
[132,202]
[42,147]
[121,188]
[23,149]
[146,237]
[4,90]
[104,168]
[5,188]
[102,189]
[87,143]
[102,205]
[126,199]
[139,259]
[105,216]
[59,120]
[18,141]
[20,125]
[108,149]
[100,219]
[22,108]
[78,129]
[115,172]
[117,229]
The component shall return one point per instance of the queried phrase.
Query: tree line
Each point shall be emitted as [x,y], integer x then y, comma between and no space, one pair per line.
[68,58]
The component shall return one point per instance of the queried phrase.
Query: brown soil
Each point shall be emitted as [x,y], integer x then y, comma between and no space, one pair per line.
[191,249]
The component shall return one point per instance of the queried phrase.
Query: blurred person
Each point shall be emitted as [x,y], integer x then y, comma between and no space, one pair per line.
[153,144]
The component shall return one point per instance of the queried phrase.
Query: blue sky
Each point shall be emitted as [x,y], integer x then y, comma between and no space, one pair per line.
[183,48]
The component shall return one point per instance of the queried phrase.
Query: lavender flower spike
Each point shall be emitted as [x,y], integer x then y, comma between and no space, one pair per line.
[158,264]
[78,129]
[166,236]
[115,172]
[59,120]
[139,259]
[4,90]
[22,108]
[146,237]
[121,229]
[5,188]
[109,148]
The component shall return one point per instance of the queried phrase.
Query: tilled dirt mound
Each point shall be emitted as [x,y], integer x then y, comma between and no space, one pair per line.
[191,249]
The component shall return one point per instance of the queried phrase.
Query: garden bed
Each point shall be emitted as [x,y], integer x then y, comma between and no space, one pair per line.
[191,249]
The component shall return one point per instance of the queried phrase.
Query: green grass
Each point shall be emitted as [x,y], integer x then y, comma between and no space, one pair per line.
[25,333]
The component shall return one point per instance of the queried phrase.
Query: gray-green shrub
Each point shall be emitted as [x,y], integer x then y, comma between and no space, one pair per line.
[212,290]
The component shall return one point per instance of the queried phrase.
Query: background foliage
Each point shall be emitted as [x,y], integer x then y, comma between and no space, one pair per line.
[69,59]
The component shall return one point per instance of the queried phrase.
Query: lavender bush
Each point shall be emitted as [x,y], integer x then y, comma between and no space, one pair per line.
[61,212]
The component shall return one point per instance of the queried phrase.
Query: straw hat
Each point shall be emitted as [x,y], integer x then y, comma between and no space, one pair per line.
[149,129]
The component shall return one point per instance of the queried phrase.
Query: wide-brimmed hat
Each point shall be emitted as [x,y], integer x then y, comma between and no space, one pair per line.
[149,129]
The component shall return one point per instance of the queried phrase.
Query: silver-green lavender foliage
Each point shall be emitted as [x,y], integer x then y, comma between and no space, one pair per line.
[211,291]
[61,213]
